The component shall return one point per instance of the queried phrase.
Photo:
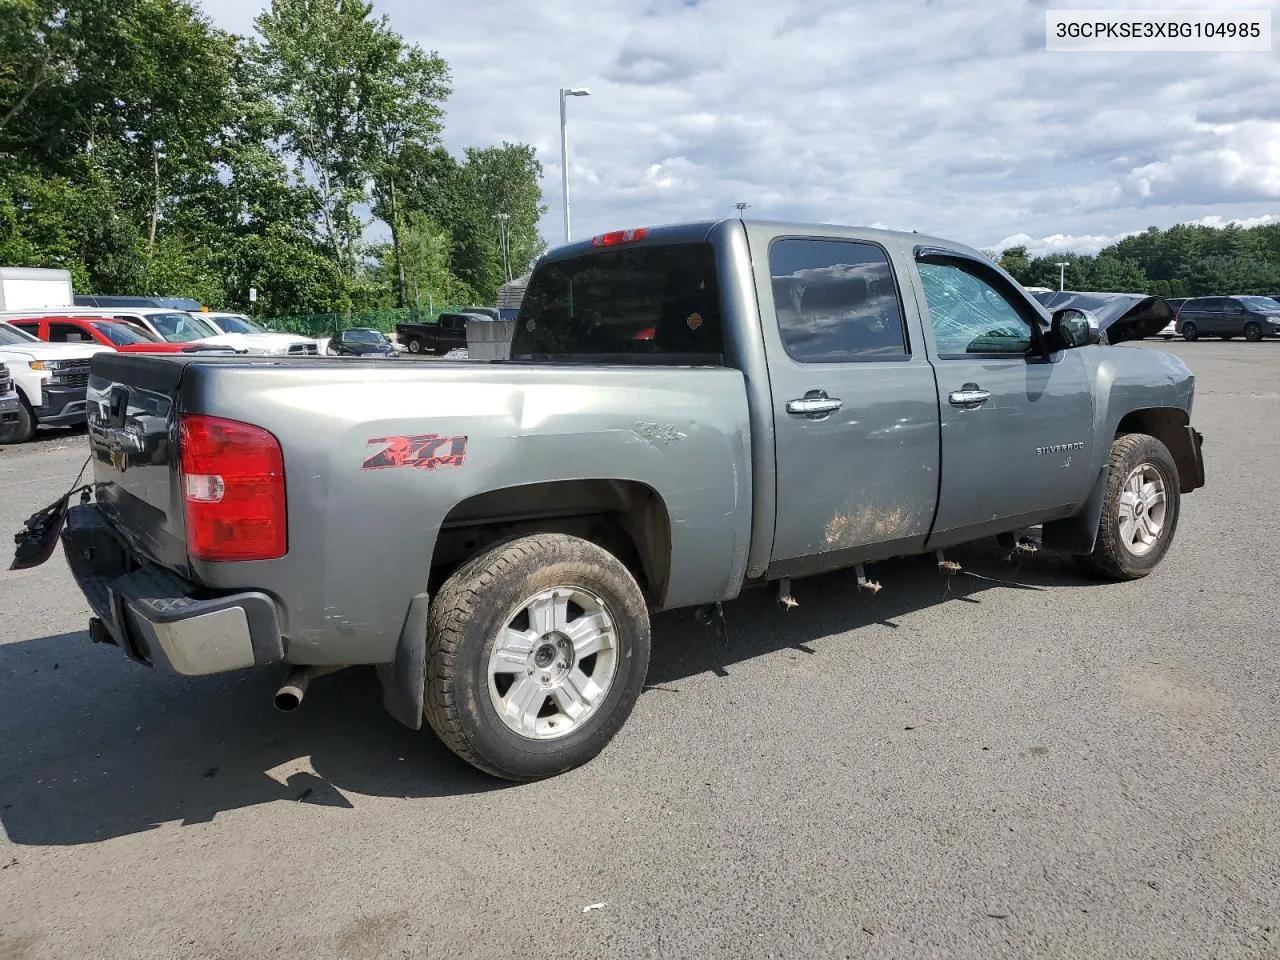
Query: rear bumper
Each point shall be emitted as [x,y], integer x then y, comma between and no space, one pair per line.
[61,406]
[160,619]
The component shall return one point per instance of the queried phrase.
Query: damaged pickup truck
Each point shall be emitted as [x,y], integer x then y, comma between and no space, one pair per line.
[687,411]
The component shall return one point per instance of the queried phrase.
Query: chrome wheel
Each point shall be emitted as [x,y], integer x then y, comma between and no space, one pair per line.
[553,663]
[1142,509]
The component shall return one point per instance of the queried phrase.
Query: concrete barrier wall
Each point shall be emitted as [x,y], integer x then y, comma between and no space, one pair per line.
[489,339]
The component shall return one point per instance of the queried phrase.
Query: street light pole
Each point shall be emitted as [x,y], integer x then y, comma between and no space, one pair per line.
[1062,274]
[564,149]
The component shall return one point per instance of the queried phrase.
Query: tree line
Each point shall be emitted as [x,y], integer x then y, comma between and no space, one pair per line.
[151,153]
[1187,260]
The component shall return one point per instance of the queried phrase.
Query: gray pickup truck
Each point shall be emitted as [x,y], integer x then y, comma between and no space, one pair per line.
[687,411]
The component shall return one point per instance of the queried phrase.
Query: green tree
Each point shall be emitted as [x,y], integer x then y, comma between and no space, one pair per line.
[1016,263]
[404,117]
[350,97]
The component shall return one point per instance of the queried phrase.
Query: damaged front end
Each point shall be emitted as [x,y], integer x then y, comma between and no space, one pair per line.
[1119,316]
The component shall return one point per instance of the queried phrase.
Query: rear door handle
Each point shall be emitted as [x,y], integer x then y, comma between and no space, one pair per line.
[815,404]
[970,395]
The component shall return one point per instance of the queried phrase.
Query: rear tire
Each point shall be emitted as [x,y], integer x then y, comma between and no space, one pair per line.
[414,344]
[22,431]
[1190,331]
[1253,331]
[1139,509]
[570,613]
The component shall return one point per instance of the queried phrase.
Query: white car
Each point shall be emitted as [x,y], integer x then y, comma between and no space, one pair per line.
[259,340]
[50,380]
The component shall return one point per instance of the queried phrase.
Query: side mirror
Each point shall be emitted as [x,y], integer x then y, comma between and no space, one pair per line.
[1073,328]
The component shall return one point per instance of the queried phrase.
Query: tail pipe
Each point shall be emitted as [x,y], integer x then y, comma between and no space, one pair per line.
[289,696]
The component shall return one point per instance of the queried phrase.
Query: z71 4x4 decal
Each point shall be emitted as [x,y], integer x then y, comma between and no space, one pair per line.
[425,451]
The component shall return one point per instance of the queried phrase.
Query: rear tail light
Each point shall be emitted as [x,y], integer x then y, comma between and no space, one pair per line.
[232,490]
[615,237]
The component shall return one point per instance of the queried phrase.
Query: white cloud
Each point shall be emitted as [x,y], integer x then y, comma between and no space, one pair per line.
[944,116]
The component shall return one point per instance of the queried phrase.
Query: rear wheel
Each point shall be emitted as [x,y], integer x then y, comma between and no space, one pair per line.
[1190,331]
[25,427]
[537,651]
[1139,509]
[1253,331]
[414,344]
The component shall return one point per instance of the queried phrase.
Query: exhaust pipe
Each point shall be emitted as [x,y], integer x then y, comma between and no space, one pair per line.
[289,696]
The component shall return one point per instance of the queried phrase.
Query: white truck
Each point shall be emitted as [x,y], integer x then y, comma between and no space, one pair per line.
[22,288]
[50,380]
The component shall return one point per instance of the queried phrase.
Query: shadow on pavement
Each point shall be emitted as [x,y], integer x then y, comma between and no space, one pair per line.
[92,747]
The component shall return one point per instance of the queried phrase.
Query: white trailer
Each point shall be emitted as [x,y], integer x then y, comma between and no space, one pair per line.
[28,288]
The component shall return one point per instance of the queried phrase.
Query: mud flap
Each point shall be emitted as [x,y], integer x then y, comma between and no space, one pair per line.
[403,680]
[1077,534]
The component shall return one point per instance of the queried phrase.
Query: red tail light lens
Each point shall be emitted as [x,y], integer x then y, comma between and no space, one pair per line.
[615,237]
[232,490]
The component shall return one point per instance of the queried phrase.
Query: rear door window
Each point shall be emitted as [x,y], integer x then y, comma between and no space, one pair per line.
[835,301]
[654,304]
[68,333]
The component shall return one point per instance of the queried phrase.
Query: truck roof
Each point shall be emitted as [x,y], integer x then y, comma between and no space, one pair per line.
[696,231]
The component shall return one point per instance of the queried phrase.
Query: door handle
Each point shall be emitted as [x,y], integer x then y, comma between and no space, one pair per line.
[970,395]
[814,404]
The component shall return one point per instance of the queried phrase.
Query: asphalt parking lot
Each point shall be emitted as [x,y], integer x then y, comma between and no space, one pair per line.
[1013,762]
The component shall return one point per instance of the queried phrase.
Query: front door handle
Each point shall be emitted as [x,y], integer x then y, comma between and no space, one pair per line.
[970,395]
[814,404]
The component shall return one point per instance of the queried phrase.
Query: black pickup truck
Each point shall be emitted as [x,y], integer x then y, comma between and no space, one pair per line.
[448,333]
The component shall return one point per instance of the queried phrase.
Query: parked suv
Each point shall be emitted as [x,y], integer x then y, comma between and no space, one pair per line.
[1250,317]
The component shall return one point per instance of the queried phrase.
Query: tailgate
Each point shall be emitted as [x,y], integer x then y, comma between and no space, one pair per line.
[132,401]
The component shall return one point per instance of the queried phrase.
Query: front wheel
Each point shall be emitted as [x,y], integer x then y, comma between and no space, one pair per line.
[537,651]
[23,429]
[1139,509]
[1253,331]
[1190,331]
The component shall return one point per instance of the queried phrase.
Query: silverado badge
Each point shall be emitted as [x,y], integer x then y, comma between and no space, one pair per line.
[1060,448]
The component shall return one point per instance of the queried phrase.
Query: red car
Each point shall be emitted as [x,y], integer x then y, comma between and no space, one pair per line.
[107,331]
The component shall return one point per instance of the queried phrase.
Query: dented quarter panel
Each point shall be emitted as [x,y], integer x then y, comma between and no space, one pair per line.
[361,540]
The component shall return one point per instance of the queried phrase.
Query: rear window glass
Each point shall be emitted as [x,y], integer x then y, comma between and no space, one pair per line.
[659,304]
[835,301]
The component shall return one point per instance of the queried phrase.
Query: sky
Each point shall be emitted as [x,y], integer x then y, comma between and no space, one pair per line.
[942,116]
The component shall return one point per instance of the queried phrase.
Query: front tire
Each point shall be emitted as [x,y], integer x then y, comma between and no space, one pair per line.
[537,650]
[1253,331]
[1190,331]
[1139,509]
[24,429]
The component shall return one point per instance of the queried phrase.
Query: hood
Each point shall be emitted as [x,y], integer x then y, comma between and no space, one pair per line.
[1120,316]
[257,342]
[53,351]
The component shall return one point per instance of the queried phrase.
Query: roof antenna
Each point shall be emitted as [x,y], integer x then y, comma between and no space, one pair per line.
[741,205]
